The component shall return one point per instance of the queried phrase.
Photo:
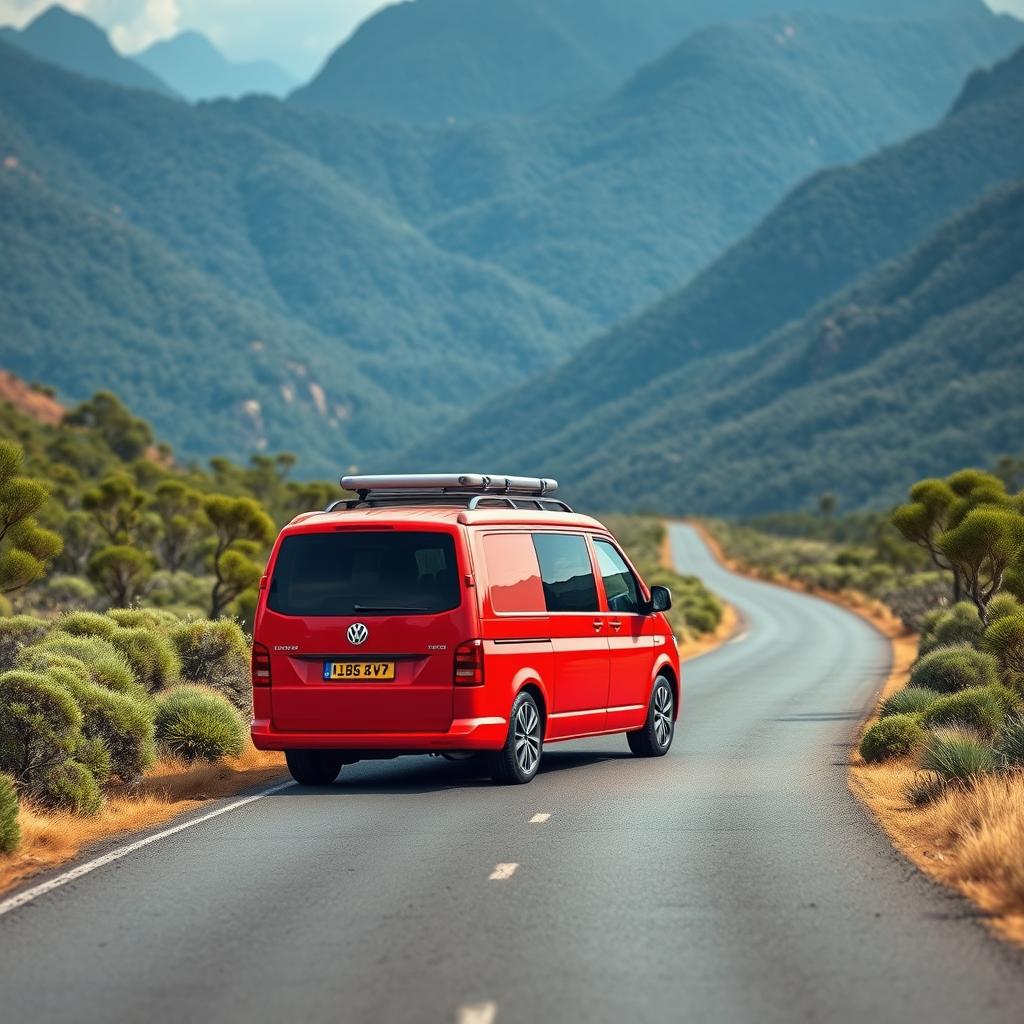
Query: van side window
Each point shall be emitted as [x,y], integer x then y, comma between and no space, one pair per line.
[513,574]
[569,584]
[619,585]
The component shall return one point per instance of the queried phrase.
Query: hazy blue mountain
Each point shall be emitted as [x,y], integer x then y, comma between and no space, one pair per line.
[433,60]
[632,404]
[73,42]
[193,66]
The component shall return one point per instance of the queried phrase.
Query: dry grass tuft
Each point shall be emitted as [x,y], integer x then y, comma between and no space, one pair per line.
[51,837]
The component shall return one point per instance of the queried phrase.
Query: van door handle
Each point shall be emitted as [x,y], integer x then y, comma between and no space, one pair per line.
[616,624]
[598,623]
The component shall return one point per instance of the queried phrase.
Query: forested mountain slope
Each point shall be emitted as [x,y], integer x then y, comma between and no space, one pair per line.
[837,226]
[433,61]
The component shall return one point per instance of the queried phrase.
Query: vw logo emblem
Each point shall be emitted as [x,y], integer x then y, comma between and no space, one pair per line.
[357,633]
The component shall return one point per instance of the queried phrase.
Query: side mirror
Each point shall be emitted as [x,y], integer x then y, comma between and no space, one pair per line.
[661,599]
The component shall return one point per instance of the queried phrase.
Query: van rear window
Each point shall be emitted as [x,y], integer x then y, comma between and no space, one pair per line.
[365,573]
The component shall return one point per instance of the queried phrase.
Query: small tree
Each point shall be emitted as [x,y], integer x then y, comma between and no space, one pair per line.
[116,504]
[121,572]
[80,536]
[126,435]
[982,547]
[241,528]
[183,521]
[26,549]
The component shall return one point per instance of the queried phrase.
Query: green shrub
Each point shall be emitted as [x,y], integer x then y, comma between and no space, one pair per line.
[958,755]
[16,632]
[956,626]
[910,701]
[1011,747]
[93,754]
[10,831]
[216,654]
[87,624]
[40,725]
[1004,640]
[151,655]
[892,737]
[197,724]
[977,708]
[107,664]
[70,786]
[1010,702]
[949,669]
[154,619]
[1003,605]
[122,723]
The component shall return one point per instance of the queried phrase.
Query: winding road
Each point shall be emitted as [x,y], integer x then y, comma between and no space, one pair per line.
[735,880]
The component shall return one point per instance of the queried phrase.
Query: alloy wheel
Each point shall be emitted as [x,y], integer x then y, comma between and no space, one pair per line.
[527,737]
[663,714]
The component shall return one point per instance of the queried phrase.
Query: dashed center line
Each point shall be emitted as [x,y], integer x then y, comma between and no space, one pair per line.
[539,819]
[478,1013]
[502,872]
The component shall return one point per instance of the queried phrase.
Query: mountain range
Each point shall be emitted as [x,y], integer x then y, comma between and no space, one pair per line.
[879,304]
[187,66]
[491,290]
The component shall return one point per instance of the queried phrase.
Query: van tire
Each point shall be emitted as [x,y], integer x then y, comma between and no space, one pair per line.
[655,738]
[517,761]
[313,767]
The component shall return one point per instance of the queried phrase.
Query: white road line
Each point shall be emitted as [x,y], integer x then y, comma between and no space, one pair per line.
[21,898]
[478,1013]
[539,819]
[502,872]
[739,639]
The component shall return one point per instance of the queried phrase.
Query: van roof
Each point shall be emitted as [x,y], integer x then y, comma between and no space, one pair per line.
[310,522]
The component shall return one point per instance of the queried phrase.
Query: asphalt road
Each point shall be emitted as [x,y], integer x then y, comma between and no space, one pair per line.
[735,880]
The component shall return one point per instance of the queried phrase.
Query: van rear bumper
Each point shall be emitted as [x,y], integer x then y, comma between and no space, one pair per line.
[464,734]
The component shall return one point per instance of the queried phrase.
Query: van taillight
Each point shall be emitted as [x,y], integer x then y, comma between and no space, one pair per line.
[469,663]
[260,665]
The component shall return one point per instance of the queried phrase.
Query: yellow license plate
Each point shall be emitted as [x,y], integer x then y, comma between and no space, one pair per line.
[342,671]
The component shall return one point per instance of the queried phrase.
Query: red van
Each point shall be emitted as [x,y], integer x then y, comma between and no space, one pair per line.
[455,615]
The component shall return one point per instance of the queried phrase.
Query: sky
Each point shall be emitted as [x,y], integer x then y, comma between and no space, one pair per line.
[298,34]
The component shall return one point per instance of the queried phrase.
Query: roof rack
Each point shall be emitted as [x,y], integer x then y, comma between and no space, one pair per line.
[465,490]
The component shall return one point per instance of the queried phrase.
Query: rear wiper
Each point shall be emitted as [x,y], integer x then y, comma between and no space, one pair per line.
[384,608]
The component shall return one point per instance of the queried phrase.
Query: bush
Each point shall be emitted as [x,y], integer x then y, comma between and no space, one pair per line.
[892,737]
[977,708]
[40,726]
[949,669]
[1003,605]
[197,724]
[70,786]
[958,755]
[1004,639]
[1011,747]
[87,624]
[910,701]
[915,600]
[107,664]
[956,626]
[151,655]
[153,619]
[16,632]
[217,654]
[10,831]
[1010,702]
[122,723]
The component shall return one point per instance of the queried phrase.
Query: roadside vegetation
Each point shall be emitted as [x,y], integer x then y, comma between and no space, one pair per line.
[942,761]
[696,612]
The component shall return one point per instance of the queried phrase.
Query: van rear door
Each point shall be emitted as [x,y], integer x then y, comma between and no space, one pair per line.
[362,626]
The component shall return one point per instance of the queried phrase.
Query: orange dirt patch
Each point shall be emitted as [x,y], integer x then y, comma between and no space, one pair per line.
[49,838]
[33,403]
